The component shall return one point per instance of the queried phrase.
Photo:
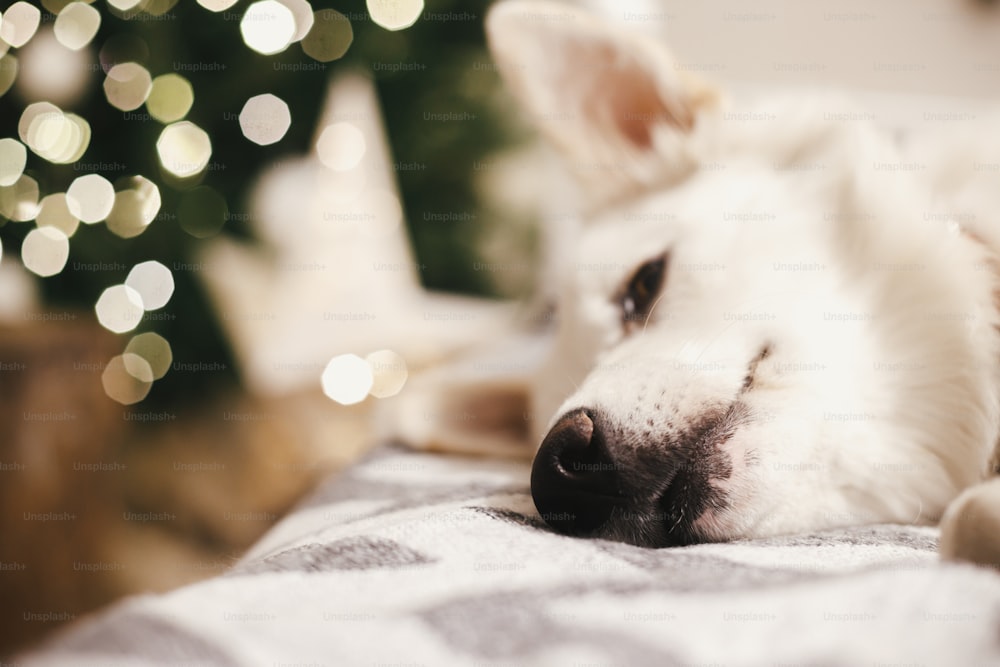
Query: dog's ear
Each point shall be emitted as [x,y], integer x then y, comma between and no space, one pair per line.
[477,404]
[615,103]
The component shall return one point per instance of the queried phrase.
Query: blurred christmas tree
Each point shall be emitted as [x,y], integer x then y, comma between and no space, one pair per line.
[434,66]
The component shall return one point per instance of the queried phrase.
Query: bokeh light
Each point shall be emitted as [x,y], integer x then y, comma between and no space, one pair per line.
[90,198]
[125,5]
[341,146]
[330,36]
[265,119]
[347,379]
[53,211]
[268,27]
[59,138]
[19,202]
[184,149]
[137,202]
[388,371]
[13,157]
[49,71]
[202,212]
[154,283]
[127,378]
[395,14]
[30,113]
[44,251]
[127,86]
[119,309]
[170,98]
[76,25]
[217,5]
[19,23]
[155,349]
[302,12]
[8,73]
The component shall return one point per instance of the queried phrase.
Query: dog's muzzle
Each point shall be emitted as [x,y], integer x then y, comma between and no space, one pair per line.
[584,483]
[574,482]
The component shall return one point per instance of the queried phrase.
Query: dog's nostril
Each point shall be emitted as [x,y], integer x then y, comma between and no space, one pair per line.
[574,481]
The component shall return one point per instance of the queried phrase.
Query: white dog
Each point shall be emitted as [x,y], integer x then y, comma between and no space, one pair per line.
[767,325]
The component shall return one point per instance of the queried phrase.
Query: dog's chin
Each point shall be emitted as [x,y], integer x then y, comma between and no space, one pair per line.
[650,529]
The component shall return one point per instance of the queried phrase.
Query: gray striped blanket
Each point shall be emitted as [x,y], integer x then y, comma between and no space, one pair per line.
[414,559]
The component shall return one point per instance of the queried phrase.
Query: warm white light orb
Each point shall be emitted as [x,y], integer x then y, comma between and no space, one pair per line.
[347,379]
[184,149]
[395,14]
[127,86]
[119,309]
[389,373]
[44,251]
[19,23]
[153,281]
[265,119]
[268,27]
[13,157]
[90,198]
[76,25]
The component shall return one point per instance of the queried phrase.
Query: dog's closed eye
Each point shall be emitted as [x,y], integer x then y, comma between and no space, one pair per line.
[641,291]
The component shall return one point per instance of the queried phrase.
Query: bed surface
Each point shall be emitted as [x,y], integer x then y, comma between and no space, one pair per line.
[421,559]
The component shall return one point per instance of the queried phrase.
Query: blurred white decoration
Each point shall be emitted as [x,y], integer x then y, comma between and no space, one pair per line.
[20,21]
[50,71]
[337,275]
[341,146]
[268,27]
[395,14]
[265,119]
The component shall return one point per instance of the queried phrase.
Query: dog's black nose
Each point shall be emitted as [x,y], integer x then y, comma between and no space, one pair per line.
[574,482]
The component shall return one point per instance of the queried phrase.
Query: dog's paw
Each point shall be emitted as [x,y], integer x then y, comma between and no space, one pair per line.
[970,529]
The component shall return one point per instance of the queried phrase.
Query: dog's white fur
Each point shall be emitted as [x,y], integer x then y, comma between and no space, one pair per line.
[786,229]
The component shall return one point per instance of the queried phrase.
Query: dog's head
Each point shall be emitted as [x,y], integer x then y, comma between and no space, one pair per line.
[757,332]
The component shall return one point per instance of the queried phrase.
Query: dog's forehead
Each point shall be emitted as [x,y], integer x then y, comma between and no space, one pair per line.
[620,238]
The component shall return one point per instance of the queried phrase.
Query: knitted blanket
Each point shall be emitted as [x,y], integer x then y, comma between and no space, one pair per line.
[420,559]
